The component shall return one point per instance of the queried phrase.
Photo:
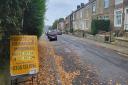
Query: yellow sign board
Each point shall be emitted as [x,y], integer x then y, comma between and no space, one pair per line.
[23,55]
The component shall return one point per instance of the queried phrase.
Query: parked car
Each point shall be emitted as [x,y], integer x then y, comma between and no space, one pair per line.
[59,32]
[52,35]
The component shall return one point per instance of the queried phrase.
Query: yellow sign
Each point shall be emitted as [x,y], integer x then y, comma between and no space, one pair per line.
[23,55]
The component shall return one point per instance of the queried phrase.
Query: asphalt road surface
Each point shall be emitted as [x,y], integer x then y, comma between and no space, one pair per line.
[109,67]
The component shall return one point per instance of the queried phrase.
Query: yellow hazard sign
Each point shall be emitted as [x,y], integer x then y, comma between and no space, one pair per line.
[23,55]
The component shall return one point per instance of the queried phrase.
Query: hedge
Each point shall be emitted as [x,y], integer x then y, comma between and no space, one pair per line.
[34,18]
[100,25]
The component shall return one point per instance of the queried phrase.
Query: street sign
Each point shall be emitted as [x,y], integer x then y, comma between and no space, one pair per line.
[23,55]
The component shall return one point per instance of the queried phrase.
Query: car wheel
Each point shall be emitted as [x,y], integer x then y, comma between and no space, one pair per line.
[50,39]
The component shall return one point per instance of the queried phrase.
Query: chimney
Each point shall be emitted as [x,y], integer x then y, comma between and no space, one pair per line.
[82,4]
[78,6]
[91,0]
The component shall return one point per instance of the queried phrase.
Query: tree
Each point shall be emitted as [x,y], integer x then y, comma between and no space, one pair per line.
[13,15]
[54,26]
[34,18]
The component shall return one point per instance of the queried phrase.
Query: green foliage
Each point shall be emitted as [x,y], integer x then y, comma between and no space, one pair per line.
[34,18]
[100,25]
[14,14]
[94,30]
[103,25]
[71,30]
[54,26]
[11,15]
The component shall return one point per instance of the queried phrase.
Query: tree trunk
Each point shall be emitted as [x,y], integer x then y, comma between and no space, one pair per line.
[5,78]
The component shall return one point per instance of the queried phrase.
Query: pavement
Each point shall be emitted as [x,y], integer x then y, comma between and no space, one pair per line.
[119,49]
[93,63]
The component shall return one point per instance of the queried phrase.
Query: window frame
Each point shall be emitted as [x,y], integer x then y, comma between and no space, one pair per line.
[125,24]
[81,13]
[115,18]
[93,9]
[118,2]
[106,5]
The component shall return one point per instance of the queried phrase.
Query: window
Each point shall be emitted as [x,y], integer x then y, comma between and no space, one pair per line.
[103,17]
[83,25]
[73,17]
[126,19]
[94,7]
[106,17]
[106,3]
[87,13]
[87,24]
[118,2]
[127,11]
[100,17]
[81,15]
[118,18]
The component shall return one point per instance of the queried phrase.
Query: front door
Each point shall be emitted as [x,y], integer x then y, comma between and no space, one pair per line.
[126,20]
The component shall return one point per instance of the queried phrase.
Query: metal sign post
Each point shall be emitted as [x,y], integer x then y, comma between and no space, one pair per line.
[28,79]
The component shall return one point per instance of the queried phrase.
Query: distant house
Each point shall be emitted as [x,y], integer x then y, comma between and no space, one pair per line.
[67,23]
[61,24]
[81,18]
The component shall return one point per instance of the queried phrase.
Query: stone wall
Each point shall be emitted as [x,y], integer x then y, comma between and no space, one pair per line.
[121,41]
[98,37]
[91,37]
[79,34]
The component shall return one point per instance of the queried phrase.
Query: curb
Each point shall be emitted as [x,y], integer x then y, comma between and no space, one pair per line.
[119,52]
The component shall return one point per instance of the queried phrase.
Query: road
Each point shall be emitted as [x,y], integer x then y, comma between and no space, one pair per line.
[105,66]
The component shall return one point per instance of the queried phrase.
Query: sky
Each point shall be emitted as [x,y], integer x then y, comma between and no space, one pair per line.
[60,9]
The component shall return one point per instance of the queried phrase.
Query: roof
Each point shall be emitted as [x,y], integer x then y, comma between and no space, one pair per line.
[84,6]
[61,19]
[91,1]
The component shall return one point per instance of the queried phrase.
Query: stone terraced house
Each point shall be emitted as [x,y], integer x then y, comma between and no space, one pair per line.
[69,23]
[81,18]
[121,15]
[61,24]
[78,20]
[114,10]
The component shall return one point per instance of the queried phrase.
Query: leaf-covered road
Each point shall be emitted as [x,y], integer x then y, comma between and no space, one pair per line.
[95,65]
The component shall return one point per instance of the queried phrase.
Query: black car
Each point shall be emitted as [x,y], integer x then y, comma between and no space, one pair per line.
[52,35]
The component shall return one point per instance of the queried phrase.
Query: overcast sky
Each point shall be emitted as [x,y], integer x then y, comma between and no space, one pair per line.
[60,8]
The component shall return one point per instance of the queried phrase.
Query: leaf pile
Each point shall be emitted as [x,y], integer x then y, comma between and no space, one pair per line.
[46,75]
